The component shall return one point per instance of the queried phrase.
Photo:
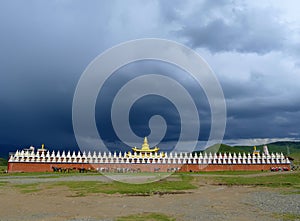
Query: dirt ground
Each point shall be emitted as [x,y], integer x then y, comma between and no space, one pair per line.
[208,202]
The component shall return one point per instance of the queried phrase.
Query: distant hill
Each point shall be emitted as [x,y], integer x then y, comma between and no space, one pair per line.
[284,147]
[224,148]
[3,162]
[291,149]
[288,148]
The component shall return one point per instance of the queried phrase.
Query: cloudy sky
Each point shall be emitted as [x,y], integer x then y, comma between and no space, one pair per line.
[253,47]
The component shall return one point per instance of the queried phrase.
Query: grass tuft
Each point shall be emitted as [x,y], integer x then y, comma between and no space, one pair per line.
[238,172]
[276,180]
[3,183]
[287,216]
[3,168]
[28,187]
[82,188]
[146,217]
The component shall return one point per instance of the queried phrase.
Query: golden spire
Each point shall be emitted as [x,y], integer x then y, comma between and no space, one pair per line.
[255,151]
[145,151]
[145,145]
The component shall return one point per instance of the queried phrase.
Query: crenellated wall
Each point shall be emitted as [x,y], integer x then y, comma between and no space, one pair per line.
[47,167]
[26,161]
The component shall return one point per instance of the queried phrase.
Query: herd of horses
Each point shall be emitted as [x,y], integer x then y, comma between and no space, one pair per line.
[105,170]
[74,169]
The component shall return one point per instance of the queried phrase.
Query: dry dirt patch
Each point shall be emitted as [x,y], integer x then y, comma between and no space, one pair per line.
[45,201]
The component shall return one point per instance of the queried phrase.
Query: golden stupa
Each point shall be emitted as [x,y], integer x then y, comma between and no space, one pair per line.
[255,151]
[145,151]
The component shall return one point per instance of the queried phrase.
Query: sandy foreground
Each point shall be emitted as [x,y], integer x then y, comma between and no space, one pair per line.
[208,202]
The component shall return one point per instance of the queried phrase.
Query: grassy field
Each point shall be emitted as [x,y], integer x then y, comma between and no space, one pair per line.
[3,169]
[82,188]
[46,174]
[193,183]
[296,157]
[291,180]
[52,174]
[286,216]
[29,188]
[242,172]
[3,162]
[146,217]
[177,183]
[3,183]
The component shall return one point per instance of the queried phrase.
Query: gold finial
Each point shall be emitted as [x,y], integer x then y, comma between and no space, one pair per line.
[43,146]
[255,151]
[145,146]
[145,151]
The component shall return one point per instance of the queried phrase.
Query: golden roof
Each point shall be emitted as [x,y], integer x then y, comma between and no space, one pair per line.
[145,147]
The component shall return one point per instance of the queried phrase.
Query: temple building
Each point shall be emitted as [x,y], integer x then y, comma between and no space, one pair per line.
[145,151]
[144,159]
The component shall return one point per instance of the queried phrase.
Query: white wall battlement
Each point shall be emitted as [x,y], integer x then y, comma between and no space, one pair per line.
[167,158]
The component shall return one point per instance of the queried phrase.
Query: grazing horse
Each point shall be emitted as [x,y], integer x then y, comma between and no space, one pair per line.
[82,170]
[56,169]
[156,169]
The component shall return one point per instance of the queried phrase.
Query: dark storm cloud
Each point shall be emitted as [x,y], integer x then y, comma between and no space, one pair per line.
[144,108]
[256,111]
[228,26]
[279,124]
[46,45]
[44,48]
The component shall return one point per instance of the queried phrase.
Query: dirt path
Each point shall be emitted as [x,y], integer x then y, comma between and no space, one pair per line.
[206,203]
